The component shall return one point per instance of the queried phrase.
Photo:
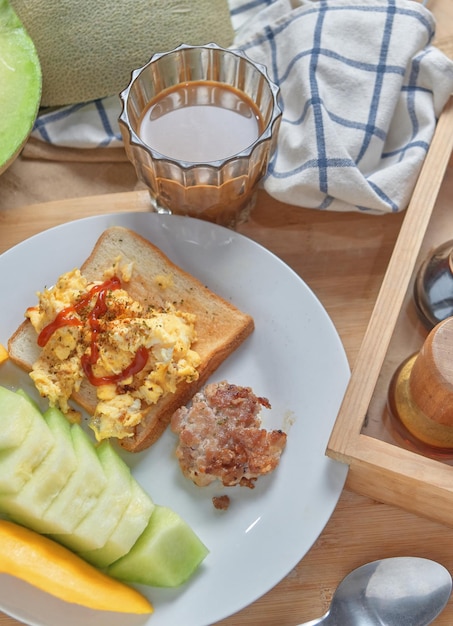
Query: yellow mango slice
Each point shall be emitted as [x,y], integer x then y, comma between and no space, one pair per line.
[54,569]
[4,356]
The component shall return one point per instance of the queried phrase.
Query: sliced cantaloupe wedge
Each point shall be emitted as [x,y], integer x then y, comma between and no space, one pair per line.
[54,569]
[166,554]
[80,493]
[20,417]
[17,464]
[95,528]
[134,521]
[28,505]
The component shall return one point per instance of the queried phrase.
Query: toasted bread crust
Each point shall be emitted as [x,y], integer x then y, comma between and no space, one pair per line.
[156,280]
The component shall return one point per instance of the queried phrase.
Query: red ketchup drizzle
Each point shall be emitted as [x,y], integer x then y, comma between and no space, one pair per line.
[137,364]
[66,318]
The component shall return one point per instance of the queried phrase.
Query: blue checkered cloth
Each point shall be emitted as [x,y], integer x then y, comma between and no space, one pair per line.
[361,90]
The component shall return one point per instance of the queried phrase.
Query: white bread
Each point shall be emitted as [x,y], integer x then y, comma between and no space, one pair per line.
[220,326]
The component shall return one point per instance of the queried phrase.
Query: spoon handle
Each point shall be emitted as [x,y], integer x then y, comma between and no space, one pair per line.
[314,622]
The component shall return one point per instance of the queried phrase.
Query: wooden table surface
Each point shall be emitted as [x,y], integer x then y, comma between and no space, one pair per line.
[342,257]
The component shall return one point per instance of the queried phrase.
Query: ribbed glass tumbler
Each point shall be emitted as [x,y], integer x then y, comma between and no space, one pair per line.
[200,125]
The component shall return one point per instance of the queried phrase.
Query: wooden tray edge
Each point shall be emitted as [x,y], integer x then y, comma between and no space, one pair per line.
[379,469]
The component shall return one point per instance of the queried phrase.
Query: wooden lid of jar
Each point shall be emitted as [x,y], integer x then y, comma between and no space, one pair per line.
[431,378]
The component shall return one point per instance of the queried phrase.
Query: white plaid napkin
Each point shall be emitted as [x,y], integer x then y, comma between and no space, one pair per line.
[361,90]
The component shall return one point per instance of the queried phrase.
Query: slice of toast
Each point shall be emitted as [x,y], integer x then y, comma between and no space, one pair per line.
[219,325]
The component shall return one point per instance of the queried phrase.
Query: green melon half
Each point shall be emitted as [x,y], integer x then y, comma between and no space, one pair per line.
[88,48]
[20,85]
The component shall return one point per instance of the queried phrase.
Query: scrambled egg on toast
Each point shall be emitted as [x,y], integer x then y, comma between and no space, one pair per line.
[122,330]
[130,336]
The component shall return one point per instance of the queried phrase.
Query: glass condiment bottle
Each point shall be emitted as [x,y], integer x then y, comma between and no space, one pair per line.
[420,395]
[433,286]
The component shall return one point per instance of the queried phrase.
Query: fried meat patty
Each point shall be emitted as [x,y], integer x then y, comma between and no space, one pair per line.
[220,437]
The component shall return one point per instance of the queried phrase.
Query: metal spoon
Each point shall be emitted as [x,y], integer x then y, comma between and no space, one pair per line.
[400,591]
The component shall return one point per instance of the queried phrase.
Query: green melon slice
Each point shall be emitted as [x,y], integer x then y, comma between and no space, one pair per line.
[165,555]
[126,533]
[18,464]
[95,529]
[28,505]
[20,81]
[15,419]
[29,399]
[80,493]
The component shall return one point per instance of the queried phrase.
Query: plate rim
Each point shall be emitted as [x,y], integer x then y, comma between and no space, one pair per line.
[199,224]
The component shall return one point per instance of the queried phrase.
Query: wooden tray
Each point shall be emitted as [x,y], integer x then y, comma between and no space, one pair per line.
[381,464]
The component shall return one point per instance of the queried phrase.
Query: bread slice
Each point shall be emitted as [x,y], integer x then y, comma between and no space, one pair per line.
[220,326]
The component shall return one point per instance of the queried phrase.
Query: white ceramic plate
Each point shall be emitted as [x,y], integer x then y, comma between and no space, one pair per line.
[294,358]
